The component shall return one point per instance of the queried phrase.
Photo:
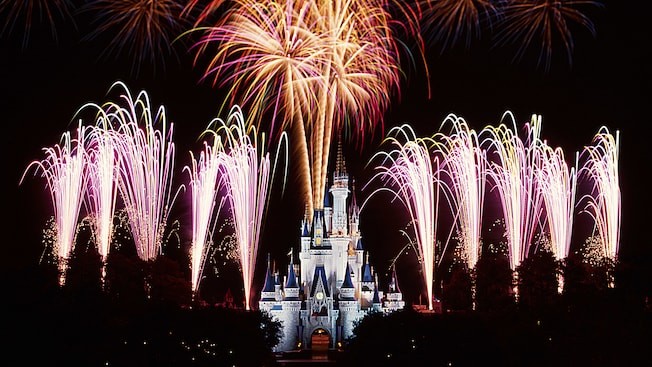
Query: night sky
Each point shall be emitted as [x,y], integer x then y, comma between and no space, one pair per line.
[45,81]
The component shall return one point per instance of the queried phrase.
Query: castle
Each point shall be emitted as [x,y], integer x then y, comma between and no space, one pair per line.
[333,285]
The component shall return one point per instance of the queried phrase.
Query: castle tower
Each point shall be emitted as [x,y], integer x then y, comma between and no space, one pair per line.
[268,295]
[349,305]
[291,306]
[393,298]
[354,213]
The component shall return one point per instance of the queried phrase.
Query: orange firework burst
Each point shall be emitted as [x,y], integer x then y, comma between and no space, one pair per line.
[143,28]
[547,21]
[313,65]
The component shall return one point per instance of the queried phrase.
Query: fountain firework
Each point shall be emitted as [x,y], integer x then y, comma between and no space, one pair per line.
[146,161]
[407,172]
[63,170]
[311,63]
[513,168]
[463,172]
[205,183]
[102,188]
[247,182]
[603,203]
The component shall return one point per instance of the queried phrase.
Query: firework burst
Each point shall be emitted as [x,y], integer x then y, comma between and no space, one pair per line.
[546,21]
[144,29]
[450,21]
[314,65]
[13,11]
[63,170]
[407,173]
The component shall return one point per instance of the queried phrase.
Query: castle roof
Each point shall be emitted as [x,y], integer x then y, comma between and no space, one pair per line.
[358,244]
[269,278]
[347,277]
[292,278]
[376,298]
[367,275]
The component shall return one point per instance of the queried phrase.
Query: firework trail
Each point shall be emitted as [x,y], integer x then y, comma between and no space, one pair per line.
[527,21]
[14,10]
[146,163]
[463,171]
[603,203]
[314,65]
[247,181]
[63,170]
[144,29]
[407,172]
[450,21]
[205,184]
[102,187]
[513,165]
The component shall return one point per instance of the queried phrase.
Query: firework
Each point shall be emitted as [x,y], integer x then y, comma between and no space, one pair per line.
[463,171]
[407,172]
[144,29]
[512,169]
[528,21]
[247,181]
[205,183]
[205,9]
[146,161]
[314,65]
[63,170]
[14,10]
[603,203]
[449,21]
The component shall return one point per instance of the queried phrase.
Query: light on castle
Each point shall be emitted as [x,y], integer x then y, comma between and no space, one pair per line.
[334,284]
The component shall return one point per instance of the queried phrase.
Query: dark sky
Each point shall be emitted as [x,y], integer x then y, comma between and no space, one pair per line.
[46,81]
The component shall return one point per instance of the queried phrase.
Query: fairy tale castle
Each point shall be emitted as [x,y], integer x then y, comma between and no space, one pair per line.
[333,285]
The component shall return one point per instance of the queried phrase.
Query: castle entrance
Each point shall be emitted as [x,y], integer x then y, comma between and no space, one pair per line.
[320,341]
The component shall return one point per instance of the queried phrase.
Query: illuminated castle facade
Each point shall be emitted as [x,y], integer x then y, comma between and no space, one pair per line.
[333,285]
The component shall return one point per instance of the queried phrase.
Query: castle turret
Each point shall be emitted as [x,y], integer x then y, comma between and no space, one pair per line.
[393,298]
[291,306]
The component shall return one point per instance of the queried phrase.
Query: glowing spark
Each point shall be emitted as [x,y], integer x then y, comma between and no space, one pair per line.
[410,177]
[63,170]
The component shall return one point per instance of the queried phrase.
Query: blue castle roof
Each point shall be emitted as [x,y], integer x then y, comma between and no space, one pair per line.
[269,278]
[292,278]
[347,278]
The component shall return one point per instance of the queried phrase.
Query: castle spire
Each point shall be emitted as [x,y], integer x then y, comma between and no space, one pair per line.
[340,166]
[269,277]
